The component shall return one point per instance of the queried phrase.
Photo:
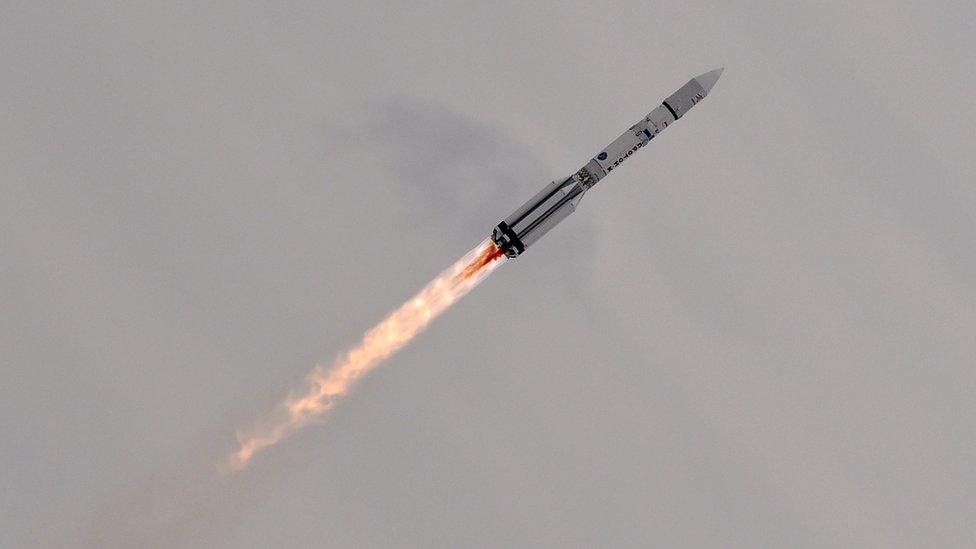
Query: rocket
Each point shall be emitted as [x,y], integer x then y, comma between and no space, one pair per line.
[558,199]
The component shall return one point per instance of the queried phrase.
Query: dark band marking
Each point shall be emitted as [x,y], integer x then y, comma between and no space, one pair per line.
[513,240]
[670,110]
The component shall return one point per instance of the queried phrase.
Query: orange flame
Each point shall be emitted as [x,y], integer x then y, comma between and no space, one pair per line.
[324,385]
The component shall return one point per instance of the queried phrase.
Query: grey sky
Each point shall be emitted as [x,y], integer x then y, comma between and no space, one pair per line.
[758,332]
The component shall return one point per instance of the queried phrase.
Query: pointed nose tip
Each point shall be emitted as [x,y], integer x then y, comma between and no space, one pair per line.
[709,79]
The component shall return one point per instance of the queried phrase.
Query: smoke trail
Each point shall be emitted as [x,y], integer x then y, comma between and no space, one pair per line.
[324,385]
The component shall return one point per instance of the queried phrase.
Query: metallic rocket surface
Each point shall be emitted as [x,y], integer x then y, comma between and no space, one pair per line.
[559,199]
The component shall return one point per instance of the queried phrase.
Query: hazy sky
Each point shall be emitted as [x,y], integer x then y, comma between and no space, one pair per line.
[760,331]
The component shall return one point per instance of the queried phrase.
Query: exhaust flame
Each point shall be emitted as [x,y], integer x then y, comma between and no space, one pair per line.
[324,385]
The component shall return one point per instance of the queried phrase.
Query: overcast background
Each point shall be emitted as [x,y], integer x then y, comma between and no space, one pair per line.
[760,331]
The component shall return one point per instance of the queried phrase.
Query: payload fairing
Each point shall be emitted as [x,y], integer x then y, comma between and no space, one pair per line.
[559,199]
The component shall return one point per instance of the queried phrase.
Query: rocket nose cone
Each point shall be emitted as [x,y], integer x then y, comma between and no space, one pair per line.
[708,80]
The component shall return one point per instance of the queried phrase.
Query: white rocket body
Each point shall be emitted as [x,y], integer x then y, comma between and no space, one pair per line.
[559,199]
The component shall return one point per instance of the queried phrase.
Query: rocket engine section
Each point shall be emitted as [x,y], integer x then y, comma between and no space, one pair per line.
[534,218]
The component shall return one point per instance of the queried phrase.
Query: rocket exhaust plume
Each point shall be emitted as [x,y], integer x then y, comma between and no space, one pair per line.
[510,238]
[325,384]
